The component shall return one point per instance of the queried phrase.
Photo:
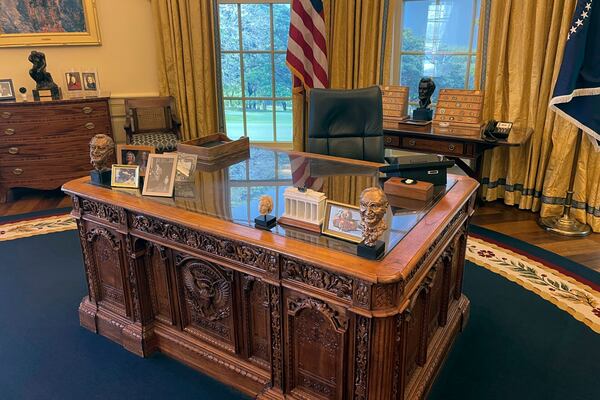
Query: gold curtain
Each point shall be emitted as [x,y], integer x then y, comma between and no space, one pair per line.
[187,67]
[355,30]
[525,47]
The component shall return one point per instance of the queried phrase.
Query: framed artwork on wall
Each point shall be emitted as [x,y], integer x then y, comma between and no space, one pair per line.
[7,90]
[63,22]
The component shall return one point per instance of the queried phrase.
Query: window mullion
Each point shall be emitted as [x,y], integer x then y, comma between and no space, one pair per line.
[242,81]
[272,33]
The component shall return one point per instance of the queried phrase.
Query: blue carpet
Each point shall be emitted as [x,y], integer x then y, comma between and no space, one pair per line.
[515,346]
[45,354]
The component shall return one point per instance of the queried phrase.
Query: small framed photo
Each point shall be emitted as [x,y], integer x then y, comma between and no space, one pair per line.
[134,155]
[7,90]
[90,81]
[73,80]
[125,176]
[342,221]
[160,175]
[186,166]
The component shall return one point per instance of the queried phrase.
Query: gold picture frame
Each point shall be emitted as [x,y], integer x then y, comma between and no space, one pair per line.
[351,232]
[125,176]
[160,175]
[138,152]
[90,37]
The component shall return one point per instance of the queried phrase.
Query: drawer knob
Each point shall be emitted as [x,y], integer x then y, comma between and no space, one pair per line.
[87,110]
[6,115]
[17,171]
[9,131]
[412,142]
[90,125]
[388,140]
[13,150]
[451,147]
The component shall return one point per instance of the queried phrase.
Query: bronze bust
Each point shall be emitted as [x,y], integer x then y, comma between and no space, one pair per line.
[373,206]
[426,89]
[102,149]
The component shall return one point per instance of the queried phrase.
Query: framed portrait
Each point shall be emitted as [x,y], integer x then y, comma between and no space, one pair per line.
[62,22]
[342,221]
[7,90]
[160,175]
[125,176]
[73,81]
[89,81]
[186,166]
[128,154]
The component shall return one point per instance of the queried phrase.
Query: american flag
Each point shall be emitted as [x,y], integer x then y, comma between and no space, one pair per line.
[307,44]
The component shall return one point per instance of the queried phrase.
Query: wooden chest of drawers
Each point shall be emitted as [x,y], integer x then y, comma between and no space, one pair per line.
[43,145]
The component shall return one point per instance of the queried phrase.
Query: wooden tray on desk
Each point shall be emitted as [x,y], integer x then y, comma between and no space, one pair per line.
[215,149]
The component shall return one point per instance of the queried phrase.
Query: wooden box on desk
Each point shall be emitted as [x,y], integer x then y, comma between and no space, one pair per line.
[459,108]
[418,190]
[395,105]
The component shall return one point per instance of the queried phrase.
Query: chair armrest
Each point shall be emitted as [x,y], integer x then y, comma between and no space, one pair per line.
[128,131]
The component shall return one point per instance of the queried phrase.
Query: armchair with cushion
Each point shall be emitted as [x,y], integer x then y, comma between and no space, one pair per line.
[152,121]
[346,123]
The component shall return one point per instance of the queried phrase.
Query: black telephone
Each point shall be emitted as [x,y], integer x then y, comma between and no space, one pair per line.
[495,130]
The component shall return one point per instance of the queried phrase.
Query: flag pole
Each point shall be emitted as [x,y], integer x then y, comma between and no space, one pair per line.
[565,224]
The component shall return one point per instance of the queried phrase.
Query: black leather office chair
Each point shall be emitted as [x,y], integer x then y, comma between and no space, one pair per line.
[346,123]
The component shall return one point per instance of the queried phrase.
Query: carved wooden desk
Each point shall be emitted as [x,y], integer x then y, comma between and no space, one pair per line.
[282,314]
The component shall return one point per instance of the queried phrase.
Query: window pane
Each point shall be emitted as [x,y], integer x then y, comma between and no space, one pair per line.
[284,121]
[234,122]
[262,165]
[230,74]
[237,172]
[259,120]
[239,204]
[281,25]
[411,71]
[472,73]
[283,77]
[437,25]
[284,165]
[228,27]
[256,27]
[257,75]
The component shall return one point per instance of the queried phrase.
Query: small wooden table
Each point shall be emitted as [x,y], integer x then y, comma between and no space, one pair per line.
[454,143]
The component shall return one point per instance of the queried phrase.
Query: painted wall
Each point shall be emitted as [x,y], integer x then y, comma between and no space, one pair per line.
[126,62]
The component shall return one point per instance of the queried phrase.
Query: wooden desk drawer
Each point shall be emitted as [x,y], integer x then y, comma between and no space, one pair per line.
[17,132]
[391,140]
[441,146]
[51,112]
[67,147]
[51,169]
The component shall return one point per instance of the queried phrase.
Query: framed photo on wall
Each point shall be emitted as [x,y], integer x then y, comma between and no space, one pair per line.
[160,175]
[73,22]
[128,154]
[342,221]
[7,90]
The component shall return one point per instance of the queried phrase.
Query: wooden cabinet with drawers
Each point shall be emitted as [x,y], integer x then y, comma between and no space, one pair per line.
[43,145]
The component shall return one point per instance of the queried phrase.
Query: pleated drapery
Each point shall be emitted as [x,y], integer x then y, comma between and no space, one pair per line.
[355,32]
[187,67]
[524,54]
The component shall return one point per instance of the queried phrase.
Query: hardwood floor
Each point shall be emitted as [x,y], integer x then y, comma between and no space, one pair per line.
[495,216]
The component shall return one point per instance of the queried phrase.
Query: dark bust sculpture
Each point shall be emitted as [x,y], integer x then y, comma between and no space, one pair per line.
[426,89]
[42,78]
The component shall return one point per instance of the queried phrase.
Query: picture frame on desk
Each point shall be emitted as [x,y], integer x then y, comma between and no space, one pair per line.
[73,84]
[342,221]
[129,154]
[7,90]
[125,176]
[160,175]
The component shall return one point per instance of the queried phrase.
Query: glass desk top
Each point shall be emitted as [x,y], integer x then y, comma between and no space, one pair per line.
[231,192]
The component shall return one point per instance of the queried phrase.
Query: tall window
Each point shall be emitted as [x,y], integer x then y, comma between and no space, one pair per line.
[257,85]
[438,38]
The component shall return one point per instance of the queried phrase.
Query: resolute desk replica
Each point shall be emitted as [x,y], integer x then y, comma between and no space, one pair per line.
[286,313]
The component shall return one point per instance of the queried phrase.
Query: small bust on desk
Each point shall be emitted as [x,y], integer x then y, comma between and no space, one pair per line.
[426,89]
[102,150]
[265,206]
[373,206]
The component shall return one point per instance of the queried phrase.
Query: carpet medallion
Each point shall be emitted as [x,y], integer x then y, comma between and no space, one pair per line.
[532,333]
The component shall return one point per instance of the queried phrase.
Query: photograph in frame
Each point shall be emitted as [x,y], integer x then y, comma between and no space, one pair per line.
[89,81]
[62,23]
[160,175]
[125,176]
[7,90]
[128,154]
[186,166]
[342,221]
